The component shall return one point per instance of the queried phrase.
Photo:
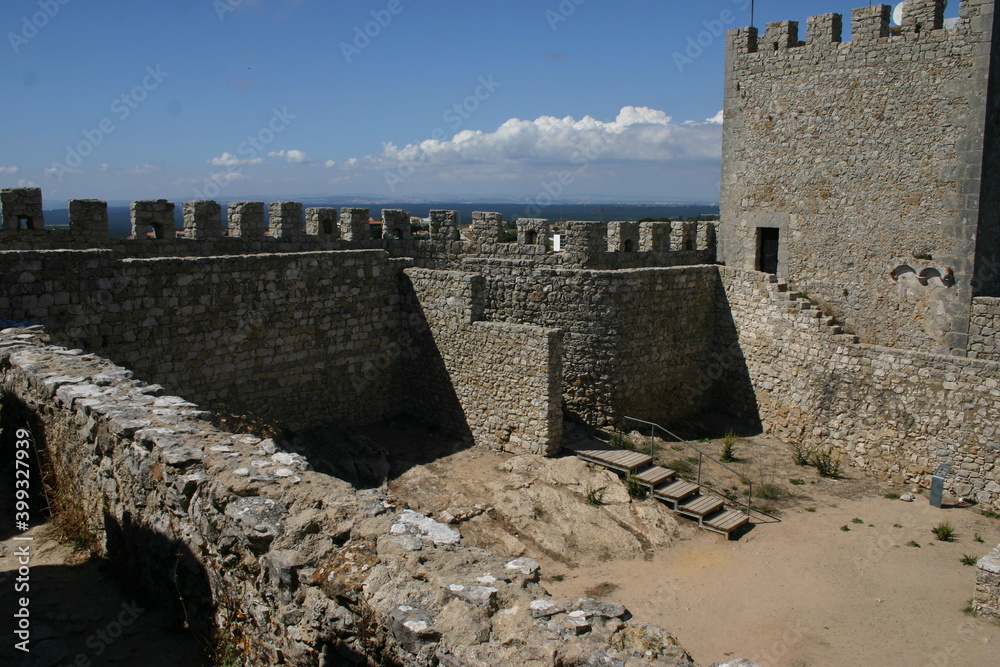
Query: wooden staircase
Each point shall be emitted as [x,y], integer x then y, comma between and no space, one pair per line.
[684,497]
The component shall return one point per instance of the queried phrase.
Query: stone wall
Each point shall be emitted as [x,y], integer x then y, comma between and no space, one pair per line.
[987,599]
[500,383]
[634,338]
[285,336]
[895,413]
[867,156]
[284,565]
[984,331]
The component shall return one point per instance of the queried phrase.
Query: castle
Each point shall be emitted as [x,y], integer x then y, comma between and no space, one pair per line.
[849,299]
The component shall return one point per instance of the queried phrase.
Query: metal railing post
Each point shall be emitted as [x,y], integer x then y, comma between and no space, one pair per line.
[749,498]
[701,459]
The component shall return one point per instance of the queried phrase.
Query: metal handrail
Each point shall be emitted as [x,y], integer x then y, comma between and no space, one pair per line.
[701,459]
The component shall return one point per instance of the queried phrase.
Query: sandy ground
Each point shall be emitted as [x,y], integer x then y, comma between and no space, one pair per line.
[80,615]
[803,591]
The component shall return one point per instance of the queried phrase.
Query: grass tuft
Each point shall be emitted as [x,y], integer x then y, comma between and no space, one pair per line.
[944,532]
[969,560]
[595,497]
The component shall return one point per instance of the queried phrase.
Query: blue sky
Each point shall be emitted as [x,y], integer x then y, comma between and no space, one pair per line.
[224,99]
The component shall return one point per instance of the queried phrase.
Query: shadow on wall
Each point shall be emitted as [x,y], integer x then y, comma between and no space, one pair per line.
[726,371]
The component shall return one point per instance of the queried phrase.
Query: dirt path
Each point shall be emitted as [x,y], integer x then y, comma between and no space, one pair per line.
[800,593]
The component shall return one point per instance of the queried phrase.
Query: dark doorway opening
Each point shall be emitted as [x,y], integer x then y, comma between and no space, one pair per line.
[767,249]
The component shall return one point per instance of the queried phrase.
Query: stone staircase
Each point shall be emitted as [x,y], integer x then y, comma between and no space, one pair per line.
[684,497]
[806,314]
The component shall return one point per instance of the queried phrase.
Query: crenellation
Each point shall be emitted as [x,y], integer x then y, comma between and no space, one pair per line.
[22,209]
[585,237]
[444,225]
[487,228]
[922,15]
[355,225]
[655,236]
[781,35]
[246,219]
[396,225]
[322,222]
[534,232]
[684,235]
[202,220]
[825,29]
[870,24]
[88,219]
[624,237]
[287,220]
[156,216]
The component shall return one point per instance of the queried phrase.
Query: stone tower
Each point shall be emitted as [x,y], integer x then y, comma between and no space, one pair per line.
[864,172]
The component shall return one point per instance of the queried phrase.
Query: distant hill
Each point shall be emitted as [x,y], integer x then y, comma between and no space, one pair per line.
[120,224]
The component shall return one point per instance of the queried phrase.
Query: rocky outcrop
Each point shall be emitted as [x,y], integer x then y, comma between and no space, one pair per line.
[283,565]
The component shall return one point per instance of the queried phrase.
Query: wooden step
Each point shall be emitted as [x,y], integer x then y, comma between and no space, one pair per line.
[701,506]
[726,521]
[618,459]
[677,491]
[655,476]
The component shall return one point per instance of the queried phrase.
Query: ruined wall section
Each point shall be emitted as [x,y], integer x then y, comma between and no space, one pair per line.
[635,339]
[987,599]
[498,382]
[866,156]
[292,337]
[895,413]
[315,571]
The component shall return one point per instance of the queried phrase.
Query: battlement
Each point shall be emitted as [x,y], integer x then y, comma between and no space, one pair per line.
[257,226]
[870,26]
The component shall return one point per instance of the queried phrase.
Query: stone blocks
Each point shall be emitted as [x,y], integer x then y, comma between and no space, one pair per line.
[444,226]
[287,220]
[487,228]
[624,237]
[22,208]
[202,220]
[586,237]
[322,222]
[246,219]
[396,225]
[355,224]
[655,236]
[534,232]
[156,216]
[88,219]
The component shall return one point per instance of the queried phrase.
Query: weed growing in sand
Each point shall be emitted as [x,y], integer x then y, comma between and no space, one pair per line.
[827,465]
[971,610]
[801,454]
[897,525]
[846,528]
[797,482]
[729,447]
[944,531]
[857,521]
[811,510]
[601,590]
[770,491]
[913,543]
[990,514]
[969,560]
[978,538]
[892,496]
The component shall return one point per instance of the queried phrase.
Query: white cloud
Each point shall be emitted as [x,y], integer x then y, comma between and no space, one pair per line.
[228,161]
[638,134]
[291,157]
[25,183]
[140,170]
[329,164]
[105,166]
[226,177]
[9,171]
[55,171]
[717,118]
